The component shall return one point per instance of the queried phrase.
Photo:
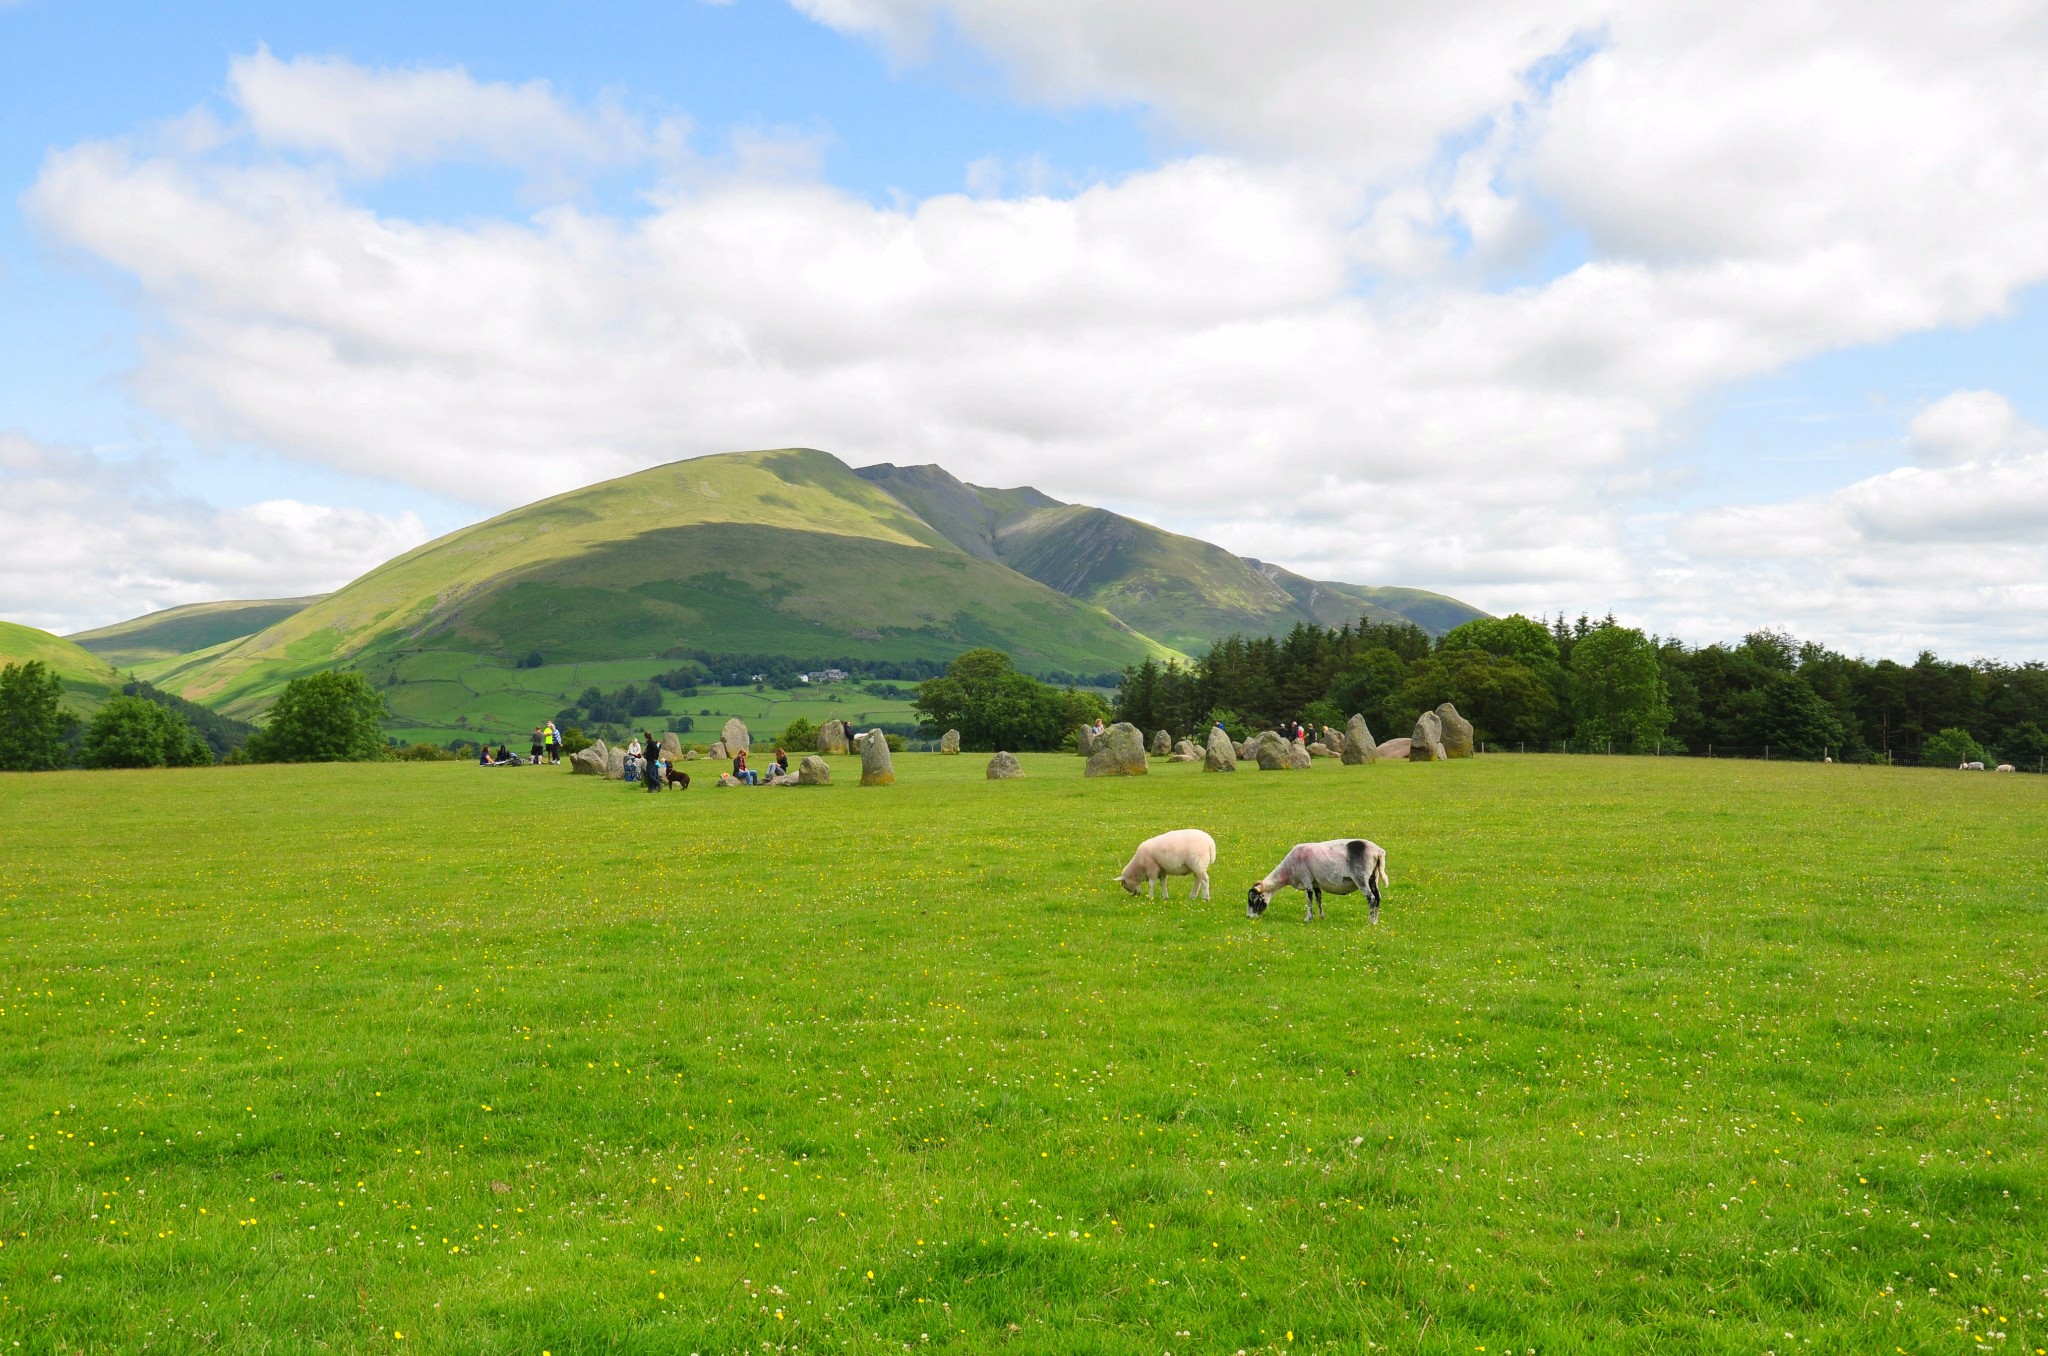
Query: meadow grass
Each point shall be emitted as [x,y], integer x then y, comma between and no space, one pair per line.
[1645,1055]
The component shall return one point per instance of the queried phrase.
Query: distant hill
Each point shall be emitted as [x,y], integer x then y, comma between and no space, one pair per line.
[783,552]
[182,630]
[88,679]
[780,553]
[1178,590]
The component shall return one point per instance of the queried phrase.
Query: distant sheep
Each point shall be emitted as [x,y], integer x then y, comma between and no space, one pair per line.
[2005,767]
[1183,852]
[1340,866]
[1970,767]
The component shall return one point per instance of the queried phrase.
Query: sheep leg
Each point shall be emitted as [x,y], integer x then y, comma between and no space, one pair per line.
[1372,893]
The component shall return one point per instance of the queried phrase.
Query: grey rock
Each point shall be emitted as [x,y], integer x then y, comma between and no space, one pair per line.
[588,762]
[1184,751]
[1426,745]
[615,764]
[727,779]
[1297,756]
[1321,750]
[1004,767]
[1221,755]
[735,737]
[1084,740]
[1457,732]
[1162,743]
[691,755]
[813,771]
[876,767]
[672,748]
[1119,752]
[834,737]
[1269,750]
[949,742]
[1396,749]
[717,751]
[1358,745]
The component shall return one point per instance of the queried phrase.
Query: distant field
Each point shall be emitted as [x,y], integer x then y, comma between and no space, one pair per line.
[1647,1055]
[502,702]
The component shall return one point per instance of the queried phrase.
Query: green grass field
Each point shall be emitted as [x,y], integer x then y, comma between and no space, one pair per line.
[1646,1055]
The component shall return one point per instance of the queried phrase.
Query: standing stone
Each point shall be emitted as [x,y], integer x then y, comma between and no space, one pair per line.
[1186,752]
[832,737]
[735,737]
[1358,745]
[1269,750]
[615,764]
[1119,752]
[949,742]
[1003,767]
[1084,740]
[1297,756]
[1395,749]
[1222,754]
[813,771]
[1426,745]
[876,769]
[1162,743]
[1245,749]
[1457,732]
[672,748]
[588,762]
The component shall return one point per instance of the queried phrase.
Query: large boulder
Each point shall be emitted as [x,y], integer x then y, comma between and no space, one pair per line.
[1333,740]
[589,762]
[1321,750]
[813,771]
[1269,750]
[1396,749]
[1297,756]
[1457,732]
[1222,754]
[1186,752]
[672,748]
[1084,740]
[876,768]
[949,742]
[735,737]
[1358,745]
[1119,752]
[615,764]
[1003,767]
[1426,745]
[717,751]
[834,737]
[1162,743]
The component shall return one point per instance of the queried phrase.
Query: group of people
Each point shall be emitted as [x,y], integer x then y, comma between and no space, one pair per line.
[547,742]
[752,777]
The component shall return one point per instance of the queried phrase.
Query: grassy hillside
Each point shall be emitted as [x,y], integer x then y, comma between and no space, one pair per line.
[180,631]
[786,552]
[1645,1056]
[88,679]
[1179,590]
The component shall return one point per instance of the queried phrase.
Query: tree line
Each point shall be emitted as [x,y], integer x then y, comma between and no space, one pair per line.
[1596,683]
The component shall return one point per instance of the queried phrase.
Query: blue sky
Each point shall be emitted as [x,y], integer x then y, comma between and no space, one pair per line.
[1717,328]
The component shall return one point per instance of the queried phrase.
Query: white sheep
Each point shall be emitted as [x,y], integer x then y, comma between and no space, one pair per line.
[2004,767]
[1340,866]
[1183,852]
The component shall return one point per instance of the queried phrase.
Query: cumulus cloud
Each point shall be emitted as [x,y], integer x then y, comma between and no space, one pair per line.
[85,540]
[1287,342]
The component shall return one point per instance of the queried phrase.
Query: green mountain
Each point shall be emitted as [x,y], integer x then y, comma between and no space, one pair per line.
[1178,590]
[783,552]
[88,679]
[179,631]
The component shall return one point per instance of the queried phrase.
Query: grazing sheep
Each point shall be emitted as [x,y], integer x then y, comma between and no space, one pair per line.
[1969,767]
[2004,767]
[1339,867]
[1183,852]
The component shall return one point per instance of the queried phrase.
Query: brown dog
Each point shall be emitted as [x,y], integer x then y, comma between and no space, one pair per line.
[679,780]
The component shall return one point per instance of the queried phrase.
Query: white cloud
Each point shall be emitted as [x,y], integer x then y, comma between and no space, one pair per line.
[376,121]
[1191,343]
[85,541]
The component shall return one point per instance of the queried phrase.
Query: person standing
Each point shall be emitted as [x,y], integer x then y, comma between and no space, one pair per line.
[650,774]
[540,736]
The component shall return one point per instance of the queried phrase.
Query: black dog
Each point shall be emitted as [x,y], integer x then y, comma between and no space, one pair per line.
[679,780]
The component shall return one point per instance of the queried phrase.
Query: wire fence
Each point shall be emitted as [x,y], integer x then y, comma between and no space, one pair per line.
[1761,752]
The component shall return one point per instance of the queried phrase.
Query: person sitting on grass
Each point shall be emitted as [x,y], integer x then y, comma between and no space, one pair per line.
[780,767]
[741,772]
[483,755]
